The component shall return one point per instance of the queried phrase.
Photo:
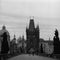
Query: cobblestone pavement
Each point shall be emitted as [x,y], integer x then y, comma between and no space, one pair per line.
[30,57]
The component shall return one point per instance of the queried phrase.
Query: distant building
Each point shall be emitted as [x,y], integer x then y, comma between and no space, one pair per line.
[22,44]
[14,39]
[1,33]
[32,35]
[48,46]
[19,39]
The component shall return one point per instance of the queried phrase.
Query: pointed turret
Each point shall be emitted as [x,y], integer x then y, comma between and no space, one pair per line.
[14,38]
[37,27]
[31,24]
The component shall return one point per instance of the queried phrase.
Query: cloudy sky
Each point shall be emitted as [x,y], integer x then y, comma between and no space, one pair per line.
[15,14]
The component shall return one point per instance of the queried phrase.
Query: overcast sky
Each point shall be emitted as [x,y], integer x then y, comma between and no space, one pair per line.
[15,14]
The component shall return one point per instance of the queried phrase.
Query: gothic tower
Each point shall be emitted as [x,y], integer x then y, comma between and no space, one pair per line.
[32,35]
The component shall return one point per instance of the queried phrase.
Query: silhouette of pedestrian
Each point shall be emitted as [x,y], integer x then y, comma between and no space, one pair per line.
[41,48]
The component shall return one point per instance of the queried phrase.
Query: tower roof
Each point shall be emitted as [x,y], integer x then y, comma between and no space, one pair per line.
[31,24]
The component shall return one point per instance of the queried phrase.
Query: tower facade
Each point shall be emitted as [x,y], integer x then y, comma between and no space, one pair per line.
[32,35]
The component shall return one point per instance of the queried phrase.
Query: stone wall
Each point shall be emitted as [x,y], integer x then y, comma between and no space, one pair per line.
[47,49]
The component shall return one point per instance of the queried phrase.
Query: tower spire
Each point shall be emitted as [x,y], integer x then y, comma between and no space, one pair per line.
[31,17]
[31,24]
